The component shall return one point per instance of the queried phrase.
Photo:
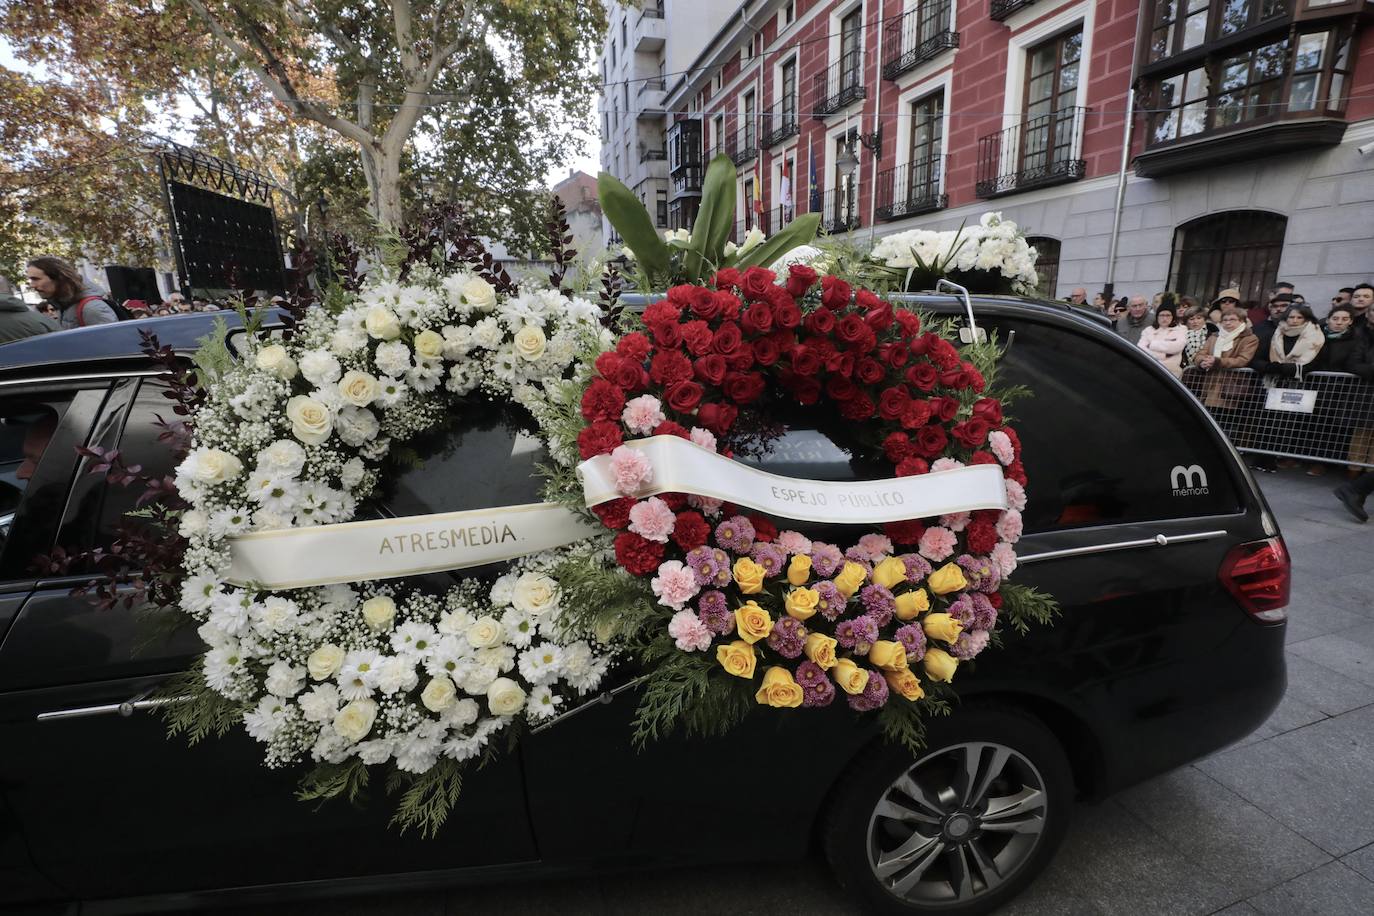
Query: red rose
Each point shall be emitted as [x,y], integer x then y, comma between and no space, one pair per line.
[710,368]
[667,336]
[719,303]
[669,428]
[787,314]
[987,515]
[615,514]
[718,418]
[820,322]
[681,295]
[634,346]
[971,433]
[870,371]
[600,438]
[766,351]
[952,378]
[696,336]
[923,376]
[744,387]
[690,530]
[840,388]
[602,401]
[931,441]
[920,344]
[908,532]
[850,328]
[777,296]
[728,338]
[684,396]
[989,409]
[866,299]
[892,403]
[834,293]
[741,359]
[756,282]
[896,446]
[879,318]
[840,363]
[805,390]
[805,361]
[909,322]
[911,466]
[982,457]
[895,354]
[729,306]
[670,367]
[638,556]
[758,318]
[800,278]
[631,376]
[945,408]
[859,407]
[726,276]
[980,537]
[916,415]
[764,529]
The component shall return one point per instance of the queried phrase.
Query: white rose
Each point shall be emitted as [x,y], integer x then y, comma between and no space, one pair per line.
[379,612]
[485,632]
[211,466]
[324,662]
[479,294]
[310,420]
[530,342]
[273,359]
[358,388]
[319,367]
[535,593]
[504,697]
[381,323]
[355,720]
[429,345]
[439,694]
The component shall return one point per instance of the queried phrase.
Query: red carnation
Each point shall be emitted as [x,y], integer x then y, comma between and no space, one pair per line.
[907,532]
[870,371]
[758,318]
[764,529]
[981,537]
[668,368]
[787,314]
[866,299]
[684,396]
[1017,472]
[675,501]
[971,433]
[710,368]
[892,403]
[726,276]
[859,407]
[1015,440]
[946,408]
[916,415]
[989,409]
[909,322]
[718,418]
[931,441]
[942,352]
[667,335]
[728,338]
[744,387]
[982,457]
[600,438]
[669,428]
[756,282]
[690,530]
[664,311]
[800,278]
[766,351]
[634,346]
[834,293]
[630,376]
[638,556]
[606,364]
[896,446]
[602,401]
[923,376]
[910,467]
[615,514]
[975,379]
[995,599]
[696,337]
[820,322]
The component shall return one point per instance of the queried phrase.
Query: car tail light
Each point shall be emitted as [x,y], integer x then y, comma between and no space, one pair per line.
[1258,575]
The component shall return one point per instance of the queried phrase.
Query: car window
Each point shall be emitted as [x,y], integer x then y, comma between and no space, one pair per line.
[138,445]
[27,427]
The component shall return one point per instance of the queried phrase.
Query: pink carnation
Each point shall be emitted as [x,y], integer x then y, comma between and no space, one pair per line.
[937,543]
[703,437]
[643,414]
[1000,444]
[955,522]
[1004,556]
[652,519]
[632,470]
[689,632]
[945,464]
[875,545]
[709,507]
[675,585]
[1009,526]
[1016,495]
[794,542]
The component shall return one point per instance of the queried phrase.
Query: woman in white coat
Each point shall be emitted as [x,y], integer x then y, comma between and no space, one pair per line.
[1165,339]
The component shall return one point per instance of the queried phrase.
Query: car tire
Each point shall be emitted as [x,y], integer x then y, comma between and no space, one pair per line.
[917,836]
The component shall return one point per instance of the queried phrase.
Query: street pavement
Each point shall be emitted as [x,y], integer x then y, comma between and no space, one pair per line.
[1279,823]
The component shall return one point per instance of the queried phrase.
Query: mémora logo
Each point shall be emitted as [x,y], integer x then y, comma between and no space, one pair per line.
[1188,481]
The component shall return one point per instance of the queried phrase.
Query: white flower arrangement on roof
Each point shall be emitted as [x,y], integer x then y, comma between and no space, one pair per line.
[993,253]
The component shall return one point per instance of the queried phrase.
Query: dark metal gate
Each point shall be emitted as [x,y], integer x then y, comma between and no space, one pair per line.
[1239,248]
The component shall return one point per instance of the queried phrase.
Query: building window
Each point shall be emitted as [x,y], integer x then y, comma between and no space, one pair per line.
[789,12]
[748,204]
[788,101]
[1238,249]
[851,60]
[749,115]
[1051,90]
[1046,264]
[924,166]
[661,208]
[1179,25]
[718,135]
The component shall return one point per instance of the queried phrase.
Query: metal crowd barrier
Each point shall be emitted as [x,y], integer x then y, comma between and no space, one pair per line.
[1322,417]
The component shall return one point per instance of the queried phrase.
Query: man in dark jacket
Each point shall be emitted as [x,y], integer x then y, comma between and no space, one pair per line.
[19,320]
[1136,319]
[1278,305]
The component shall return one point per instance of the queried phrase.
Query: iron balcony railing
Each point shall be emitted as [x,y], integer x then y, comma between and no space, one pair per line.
[839,85]
[917,36]
[840,210]
[781,125]
[1001,9]
[911,189]
[653,85]
[1038,152]
[743,145]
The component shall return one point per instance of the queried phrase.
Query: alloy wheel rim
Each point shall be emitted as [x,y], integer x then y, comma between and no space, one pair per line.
[958,824]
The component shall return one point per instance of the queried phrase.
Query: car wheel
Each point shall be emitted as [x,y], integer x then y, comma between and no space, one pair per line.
[961,829]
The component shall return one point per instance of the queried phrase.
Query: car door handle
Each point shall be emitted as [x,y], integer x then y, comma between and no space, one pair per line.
[1159,540]
[130,706]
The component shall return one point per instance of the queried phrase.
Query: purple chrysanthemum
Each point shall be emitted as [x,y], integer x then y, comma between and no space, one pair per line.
[810,675]
[878,602]
[857,633]
[715,612]
[916,567]
[981,573]
[874,694]
[832,601]
[913,639]
[770,556]
[736,533]
[860,556]
[826,559]
[711,565]
[823,694]
[962,610]
[787,638]
[984,614]
[969,644]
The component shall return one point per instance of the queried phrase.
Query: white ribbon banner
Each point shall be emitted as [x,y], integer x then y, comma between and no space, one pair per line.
[392,547]
[680,466]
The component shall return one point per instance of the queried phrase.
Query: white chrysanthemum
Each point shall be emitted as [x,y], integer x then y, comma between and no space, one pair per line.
[373,752]
[320,703]
[476,681]
[395,673]
[285,457]
[457,342]
[230,611]
[542,663]
[273,492]
[503,589]
[223,664]
[543,703]
[274,615]
[266,719]
[487,334]
[198,592]
[390,391]
[582,311]
[415,638]
[426,375]
[352,473]
[392,358]
[346,341]
[417,752]
[519,627]
[229,521]
[583,669]
[284,679]
[358,676]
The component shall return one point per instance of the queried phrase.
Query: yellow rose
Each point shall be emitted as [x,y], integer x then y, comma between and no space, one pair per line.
[324,662]
[850,578]
[946,579]
[429,345]
[801,602]
[505,697]
[355,720]
[942,627]
[381,323]
[357,388]
[379,612]
[888,655]
[889,572]
[530,342]
[272,358]
[851,678]
[939,665]
[909,604]
[752,622]
[904,684]
[820,649]
[479,294]
[749,576]
[311,421]
[438,694]
[799,570]
[737,658]
[779,689]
